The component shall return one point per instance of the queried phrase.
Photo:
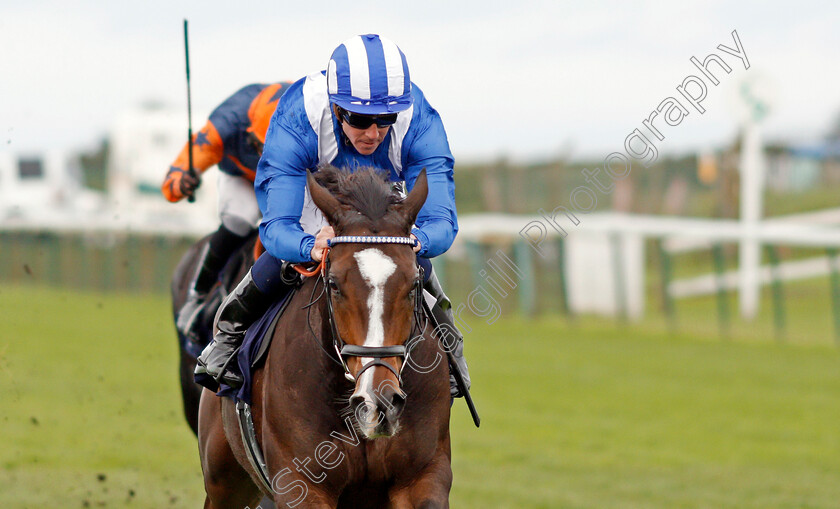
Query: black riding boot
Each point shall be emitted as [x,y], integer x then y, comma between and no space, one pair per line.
[205,276]
[214,256]
[245,304]
[453,339]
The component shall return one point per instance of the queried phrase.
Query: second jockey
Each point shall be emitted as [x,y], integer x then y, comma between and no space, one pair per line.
[233,139]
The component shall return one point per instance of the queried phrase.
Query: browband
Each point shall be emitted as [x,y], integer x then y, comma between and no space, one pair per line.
[369,239]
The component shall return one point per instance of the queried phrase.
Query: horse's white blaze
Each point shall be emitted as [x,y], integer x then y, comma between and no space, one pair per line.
[375,268]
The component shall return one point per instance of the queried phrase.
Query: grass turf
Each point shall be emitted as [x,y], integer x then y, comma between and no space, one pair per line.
[574,415]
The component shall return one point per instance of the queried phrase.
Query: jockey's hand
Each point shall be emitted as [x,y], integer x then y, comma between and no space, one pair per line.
[418,246]
[179,184]
[189,183]
[321,239]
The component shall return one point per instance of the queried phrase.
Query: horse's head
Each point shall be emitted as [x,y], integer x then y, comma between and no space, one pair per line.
[373,286]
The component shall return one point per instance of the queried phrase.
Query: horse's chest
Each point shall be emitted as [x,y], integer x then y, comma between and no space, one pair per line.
[387,460]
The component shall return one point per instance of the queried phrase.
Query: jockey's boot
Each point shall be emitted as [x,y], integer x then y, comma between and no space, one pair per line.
[240,309]
[452,339]
[209,266]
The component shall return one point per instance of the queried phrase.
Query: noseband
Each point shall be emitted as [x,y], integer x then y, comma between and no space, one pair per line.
[376,352]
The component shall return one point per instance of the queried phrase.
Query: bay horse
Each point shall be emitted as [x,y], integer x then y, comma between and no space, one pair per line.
[351,405]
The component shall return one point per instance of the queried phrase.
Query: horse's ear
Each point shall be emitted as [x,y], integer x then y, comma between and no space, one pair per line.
[325,201]
[410,207]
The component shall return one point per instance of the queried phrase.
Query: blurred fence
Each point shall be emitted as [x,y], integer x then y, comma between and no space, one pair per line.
[95,260]
[690,185]
[131,262]
[504,187]
[145,262]
[474,273]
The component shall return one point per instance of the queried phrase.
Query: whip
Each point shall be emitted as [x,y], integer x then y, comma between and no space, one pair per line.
[189,108]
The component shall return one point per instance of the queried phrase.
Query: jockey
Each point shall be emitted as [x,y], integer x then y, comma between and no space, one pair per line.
[232,139]
[362,111]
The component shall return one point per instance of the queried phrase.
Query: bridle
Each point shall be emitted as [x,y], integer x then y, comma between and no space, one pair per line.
[342,349]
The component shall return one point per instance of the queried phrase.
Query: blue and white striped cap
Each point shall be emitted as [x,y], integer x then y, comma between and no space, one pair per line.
[368,74]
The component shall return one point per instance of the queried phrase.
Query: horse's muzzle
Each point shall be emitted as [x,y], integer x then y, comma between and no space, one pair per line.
[380,416]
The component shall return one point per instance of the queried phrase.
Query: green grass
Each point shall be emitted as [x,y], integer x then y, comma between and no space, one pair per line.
[89,387]
[575,415]
[604,417]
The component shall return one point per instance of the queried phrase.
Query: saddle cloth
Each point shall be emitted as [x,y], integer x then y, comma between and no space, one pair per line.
[251,353]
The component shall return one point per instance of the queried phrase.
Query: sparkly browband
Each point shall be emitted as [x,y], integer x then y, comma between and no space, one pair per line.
[369,239]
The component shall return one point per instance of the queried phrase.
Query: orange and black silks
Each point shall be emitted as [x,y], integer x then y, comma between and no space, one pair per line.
[226,138]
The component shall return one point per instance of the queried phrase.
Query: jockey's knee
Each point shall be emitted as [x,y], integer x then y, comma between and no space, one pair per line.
[267,273]
[237,224]
[427,267]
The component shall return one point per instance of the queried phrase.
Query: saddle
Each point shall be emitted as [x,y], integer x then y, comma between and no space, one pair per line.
[254,348]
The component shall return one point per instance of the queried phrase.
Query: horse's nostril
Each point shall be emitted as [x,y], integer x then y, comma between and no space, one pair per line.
[398,402]
[357,400]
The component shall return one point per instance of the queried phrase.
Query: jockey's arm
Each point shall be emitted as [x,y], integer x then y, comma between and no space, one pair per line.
[437,222]
[208,150]
[280,187]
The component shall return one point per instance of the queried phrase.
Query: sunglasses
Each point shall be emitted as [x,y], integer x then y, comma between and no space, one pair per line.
[359,121]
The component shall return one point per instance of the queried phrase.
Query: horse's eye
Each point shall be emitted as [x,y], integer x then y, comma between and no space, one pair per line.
[333,286]
[413,293]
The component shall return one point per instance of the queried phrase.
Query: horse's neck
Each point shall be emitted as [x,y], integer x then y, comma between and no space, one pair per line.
[317,341]
[302,357]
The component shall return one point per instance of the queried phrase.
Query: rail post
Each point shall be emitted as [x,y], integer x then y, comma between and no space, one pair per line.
[475,254]
[618,276]
[522,258]
[720,283]
[835,290]
[561,265]
[779,318]
[53,258]
[665,276]
[6,240]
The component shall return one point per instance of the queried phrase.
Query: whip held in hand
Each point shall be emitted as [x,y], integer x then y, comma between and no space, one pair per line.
[192,173]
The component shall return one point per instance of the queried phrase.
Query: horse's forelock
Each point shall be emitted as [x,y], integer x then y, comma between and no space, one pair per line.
[367,190]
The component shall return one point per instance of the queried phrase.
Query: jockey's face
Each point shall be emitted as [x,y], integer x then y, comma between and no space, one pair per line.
[365,141]
[364,131]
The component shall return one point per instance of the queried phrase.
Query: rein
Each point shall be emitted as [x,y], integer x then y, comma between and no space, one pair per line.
[318,268]
[342,349]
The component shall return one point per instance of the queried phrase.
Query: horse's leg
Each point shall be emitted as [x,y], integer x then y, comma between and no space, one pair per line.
[312,500]
[265,503]
[227,484]
[181,279]
[190,391]
[429,491]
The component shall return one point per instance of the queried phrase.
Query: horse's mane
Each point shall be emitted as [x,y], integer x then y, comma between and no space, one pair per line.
[367,190]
